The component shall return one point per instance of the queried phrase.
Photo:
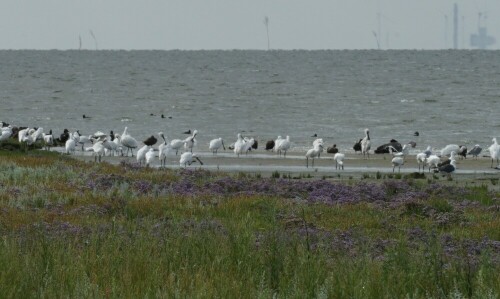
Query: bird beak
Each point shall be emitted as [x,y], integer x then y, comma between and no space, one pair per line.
[199,160]
[223,145]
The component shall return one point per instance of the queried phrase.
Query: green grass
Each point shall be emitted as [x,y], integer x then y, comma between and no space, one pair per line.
[61,237]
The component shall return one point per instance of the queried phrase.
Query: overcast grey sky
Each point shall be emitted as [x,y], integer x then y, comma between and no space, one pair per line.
[238,24]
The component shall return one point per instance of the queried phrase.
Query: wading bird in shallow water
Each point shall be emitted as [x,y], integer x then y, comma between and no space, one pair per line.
[313,153]
[128,141]
[494,150]
[215,144]
[189,158]
[366,144]
[339,160]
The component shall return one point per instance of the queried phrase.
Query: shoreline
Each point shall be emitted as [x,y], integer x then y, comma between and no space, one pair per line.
[294,164]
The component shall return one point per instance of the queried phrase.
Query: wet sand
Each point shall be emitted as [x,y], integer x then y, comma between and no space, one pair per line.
[265,163]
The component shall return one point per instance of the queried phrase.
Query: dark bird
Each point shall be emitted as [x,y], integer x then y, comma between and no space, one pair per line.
[447,169]
[462,151]
[151,114]
[357,146]
[112,135]
[4,124]
[315,135]
[162,116]
[447,161]
[270,145]
[416,133]
[255,144]
[332,149]
[475,151]
[413,144]
[384,148]
[150,141]
[64,136]
[86,117]
[188,132]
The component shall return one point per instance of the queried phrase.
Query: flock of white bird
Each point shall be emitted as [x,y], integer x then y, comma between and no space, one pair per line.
[101,144]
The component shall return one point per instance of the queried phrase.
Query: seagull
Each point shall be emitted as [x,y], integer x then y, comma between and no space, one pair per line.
[475,151]
[447,169]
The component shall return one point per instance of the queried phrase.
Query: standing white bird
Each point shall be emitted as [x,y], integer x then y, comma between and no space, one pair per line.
[215,144]
[128,141]
[284,146]
[188,158]
[163,150]
[433,161]
[48,140]
[247,146]
[239,145]
[176,145]
[319,141]
[141,154]
[150,155]
[6,133]
[70,144]
[98,149]
[84,139]
[339,160]
[190,142]
[494,150]
[313,153]
[421,158]
[398,160]
[446,151]
[277,142]
[118,145]
[366,144]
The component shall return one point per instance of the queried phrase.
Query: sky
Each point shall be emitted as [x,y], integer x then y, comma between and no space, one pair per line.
[239,24]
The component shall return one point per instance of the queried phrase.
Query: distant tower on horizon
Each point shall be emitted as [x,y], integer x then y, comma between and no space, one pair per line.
[455,26]
[481,39]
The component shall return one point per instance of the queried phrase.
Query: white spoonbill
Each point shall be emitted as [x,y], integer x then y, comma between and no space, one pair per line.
[98,149]
[494,150]
[163,150]
[446,151]
[313,153]
[239,145]
[188,158]
[215,144]
[366,144]
[6,133]
[150,155]
[141,154]
[339,160]
[70,144]
[398,160]
[128,141]
[433,161]
[284,146]
[190,142]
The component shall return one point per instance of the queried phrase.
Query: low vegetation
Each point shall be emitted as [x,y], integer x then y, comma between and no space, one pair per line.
[75,229]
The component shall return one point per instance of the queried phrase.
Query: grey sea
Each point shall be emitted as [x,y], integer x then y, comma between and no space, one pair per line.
[447,96]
